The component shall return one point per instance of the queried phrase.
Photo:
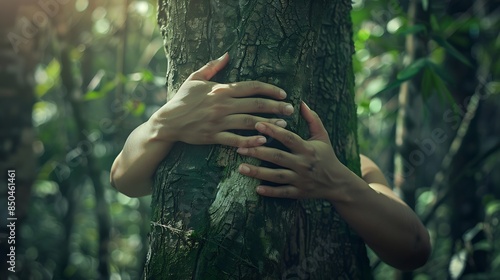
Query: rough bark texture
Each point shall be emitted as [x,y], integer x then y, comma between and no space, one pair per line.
[207,221]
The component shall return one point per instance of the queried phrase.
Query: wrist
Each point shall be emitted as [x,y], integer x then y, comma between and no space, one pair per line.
[345,184]
[160,129]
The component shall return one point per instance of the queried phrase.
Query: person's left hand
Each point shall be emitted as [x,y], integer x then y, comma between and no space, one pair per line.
[311,168]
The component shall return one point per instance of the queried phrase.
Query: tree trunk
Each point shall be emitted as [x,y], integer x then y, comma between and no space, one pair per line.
[207,221]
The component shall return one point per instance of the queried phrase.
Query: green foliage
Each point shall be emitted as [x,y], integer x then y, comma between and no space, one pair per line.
[62,225]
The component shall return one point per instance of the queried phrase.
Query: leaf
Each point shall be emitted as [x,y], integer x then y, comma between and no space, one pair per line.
[147,76]
[411,30]
[452,50]
[389,86]
[434,23]
[471,233]
[492,207]
[483,245]
[93,95]
[412,69]
[53,69]
[458,263]
[443,91]
[136,108]
[440,71]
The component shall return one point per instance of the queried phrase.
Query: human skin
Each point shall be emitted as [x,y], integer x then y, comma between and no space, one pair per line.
[310,170]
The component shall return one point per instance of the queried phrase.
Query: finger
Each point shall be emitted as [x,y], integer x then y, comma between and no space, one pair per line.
[247,122]
[278,176]
[287,138]
[261,105]
[316,128]
[272,155]
[279,192]
[249,88]
[234,140]
[210,69]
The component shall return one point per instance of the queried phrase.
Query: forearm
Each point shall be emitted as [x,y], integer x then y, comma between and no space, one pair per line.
[388,226]
[133,169]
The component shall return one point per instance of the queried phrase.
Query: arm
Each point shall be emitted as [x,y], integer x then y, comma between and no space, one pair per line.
[384,221]
[200,113]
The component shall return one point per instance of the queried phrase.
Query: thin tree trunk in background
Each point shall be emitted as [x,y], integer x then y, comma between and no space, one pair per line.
[207,221]
[92,168]
[17,62]
[408,156]
[466,199]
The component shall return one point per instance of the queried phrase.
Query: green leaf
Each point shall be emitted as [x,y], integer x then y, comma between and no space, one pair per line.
[412,70]
[434,23]
[147,76]
[136,108]
[93,95]
[493,88]
[389,86]
[451,50]
[492,207]
[411,30]
[53,69]
[42,89]
[443,91]
[483,245]
[440,71]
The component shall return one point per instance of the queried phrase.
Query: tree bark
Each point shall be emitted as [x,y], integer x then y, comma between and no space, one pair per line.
[207,220]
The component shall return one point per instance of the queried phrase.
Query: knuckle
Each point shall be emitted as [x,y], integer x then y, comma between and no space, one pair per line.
[218,89]
[310,151]
[289,139]
[233,141]
[280,176]
[248,122]
[259,104]
[254,85]
[277,157]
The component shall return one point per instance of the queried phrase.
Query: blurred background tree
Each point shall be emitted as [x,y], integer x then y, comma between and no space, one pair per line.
[89,71]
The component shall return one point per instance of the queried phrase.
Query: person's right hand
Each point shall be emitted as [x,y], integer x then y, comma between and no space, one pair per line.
[202,112]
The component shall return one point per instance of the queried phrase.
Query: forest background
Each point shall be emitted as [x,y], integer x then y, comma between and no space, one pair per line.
[427,91]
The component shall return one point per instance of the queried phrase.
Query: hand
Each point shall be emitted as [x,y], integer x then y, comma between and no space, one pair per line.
[311,168]
[202,112]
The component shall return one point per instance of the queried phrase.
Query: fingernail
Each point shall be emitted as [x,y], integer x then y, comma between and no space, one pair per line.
[281,123]
[282,94]
[244,169]
[222,57]
[242,150]
[261,140]
[288,109]
[260,127]
[306,105]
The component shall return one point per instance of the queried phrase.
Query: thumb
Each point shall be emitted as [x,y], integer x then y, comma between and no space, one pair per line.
[316,128]
[210,69]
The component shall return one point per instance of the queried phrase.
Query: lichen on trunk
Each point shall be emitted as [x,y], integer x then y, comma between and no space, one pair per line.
[208,222]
